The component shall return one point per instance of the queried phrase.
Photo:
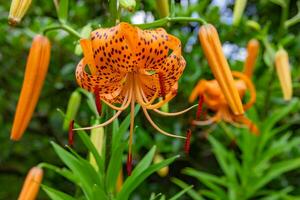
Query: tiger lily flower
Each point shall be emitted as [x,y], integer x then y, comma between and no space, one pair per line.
[32,184]
[252,53]
[213,96]
[18,8]
[212,47]
[284,73]
[128,65]
[35,73]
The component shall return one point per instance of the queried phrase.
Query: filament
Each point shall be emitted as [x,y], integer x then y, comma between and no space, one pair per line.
[158,129]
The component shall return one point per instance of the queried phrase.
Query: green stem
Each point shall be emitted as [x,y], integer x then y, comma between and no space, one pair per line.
[284,16]
[164,21]
[64,27]
[294,20]
[113,10]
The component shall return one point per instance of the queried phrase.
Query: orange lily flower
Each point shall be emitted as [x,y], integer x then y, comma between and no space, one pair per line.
[284,73]
[129,65]
[35,73]
[32,184]
[212,47]
[214,98]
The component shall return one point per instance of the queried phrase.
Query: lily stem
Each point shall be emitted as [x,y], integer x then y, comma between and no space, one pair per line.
[64,27]
[163,21]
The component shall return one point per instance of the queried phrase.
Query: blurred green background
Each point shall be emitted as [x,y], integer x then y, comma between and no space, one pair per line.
[16,158]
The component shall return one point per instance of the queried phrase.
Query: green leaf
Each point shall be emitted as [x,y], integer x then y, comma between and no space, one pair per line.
[179,194]
[63,10]
[83,171]
[134,181]
[192,193]
[56,194]
[89,145]
[114,167]
[61,171]
[276,170]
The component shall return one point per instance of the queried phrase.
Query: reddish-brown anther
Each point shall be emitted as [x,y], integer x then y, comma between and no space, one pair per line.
[200,105]
[98,100]
[71,133]
[129,164]
[187,141]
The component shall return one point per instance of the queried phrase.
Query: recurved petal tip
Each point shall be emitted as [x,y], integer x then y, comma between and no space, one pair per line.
[212,47]
[284,73]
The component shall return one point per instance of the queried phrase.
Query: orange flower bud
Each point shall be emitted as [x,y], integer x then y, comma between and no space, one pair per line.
[32,184]
[252,53]
[212,47]
[35,73]
[18,8]
[284,73]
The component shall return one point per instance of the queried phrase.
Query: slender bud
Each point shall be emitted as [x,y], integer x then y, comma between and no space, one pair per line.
[120,181]
[97,138]
[238,11]
[162,7]
[35,73]
[253,24]
[163,172]
[32,184]
[252,53]
[18,8]
[212,47]
[284,73]
[128,4]
[72,109]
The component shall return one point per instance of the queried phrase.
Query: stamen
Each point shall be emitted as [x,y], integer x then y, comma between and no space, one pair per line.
[161,80]
[125,104]
[98,100]
[129,159]
[158,129]
[71,133]
[129,164]
[208,121]
[200,105]
[174,113]
[188,141]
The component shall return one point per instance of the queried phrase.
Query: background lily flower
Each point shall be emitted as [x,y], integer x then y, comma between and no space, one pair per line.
[252,53]
[18,8]
[35,73]
[32,184]
[212,47]
[284,73]
[129,65]
[213,96]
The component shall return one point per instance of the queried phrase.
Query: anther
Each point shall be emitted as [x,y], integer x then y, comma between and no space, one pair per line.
[200,105]
[188,141]
[129,164]
[71,133]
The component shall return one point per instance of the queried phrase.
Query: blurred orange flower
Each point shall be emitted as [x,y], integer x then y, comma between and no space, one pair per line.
[214,98]
[35,73]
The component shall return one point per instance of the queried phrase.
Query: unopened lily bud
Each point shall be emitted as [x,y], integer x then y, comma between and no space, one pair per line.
[238,11]
[32,184]
[252,53]
[162,7]
[128,4]
[97,138]
[35,73]
[72,109]
[18,8]
[120,181]
[253,24]
[163,171]
[284,73]
[212,47]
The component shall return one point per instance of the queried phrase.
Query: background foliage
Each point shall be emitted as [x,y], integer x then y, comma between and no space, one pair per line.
[46,125]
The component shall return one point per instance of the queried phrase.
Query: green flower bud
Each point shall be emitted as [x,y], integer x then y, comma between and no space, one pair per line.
[73,106]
